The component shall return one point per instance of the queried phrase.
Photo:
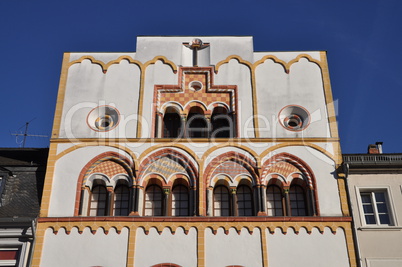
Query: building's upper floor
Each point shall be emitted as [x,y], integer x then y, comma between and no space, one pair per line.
[198,87]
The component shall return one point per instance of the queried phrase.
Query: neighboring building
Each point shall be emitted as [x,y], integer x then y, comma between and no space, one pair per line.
[375,186]
[22,173]
[194,152]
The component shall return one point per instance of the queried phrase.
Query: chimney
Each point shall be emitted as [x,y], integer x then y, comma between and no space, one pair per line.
[372,149]
[379,147]
[375,149]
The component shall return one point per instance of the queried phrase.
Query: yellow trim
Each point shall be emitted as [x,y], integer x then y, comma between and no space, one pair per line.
[350,245]
[328,96]
[142,67]
[142,85]
[198,140]
[229,58]
[99,143]
[237,145]
[306,56]
[60,96]
[117,61]
[275,59]
[39,241]
[90,58]
[201,247]
[343,197]
[253,87]
[304,144]
[152,149]
[47,188]
[264,248]
[132,234]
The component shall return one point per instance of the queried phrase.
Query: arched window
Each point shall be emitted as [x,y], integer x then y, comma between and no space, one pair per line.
[274,201]
[121,200]
[172,125]
[180,201]
[222,124]
[153,201]
[297,201]
[244,201]
[221,201]
[99,200]
[197,125]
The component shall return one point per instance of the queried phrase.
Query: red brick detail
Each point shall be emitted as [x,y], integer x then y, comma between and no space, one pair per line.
[113,156]
[302,166]
[234,157]
[182,94]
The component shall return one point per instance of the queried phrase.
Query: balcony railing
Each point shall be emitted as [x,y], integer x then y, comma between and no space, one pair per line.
[373,159]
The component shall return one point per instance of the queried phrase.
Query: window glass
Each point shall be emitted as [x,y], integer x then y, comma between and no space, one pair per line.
[153,201]
[297,201]
[375,208]
[180,206]
[221,201]
[98,205]
[121,200]
[244,201]
[274,201]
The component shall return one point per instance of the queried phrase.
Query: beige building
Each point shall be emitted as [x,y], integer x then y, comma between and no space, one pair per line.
[375,186]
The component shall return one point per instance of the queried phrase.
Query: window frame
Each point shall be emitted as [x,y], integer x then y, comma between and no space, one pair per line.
[389,203]
[97,209]
[241,202]
[282,201]
[153,200]
[180,201]
[229,200]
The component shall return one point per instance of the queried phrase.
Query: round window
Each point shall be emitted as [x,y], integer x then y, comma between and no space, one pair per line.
[294,118]
[103,118]
[195,85]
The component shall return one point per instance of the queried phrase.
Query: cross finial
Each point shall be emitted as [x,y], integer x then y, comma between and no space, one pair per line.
[195,45]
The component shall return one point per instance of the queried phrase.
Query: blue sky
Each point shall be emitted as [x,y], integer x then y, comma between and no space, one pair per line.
[363,40]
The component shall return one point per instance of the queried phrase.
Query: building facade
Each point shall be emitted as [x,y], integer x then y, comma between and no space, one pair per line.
[22,173]
[375,185]
[194,152]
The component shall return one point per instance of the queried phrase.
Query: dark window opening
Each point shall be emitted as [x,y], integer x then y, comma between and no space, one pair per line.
[180,201]
[121,200]
[197,125]
[222,123]
[244,201]
[171,123]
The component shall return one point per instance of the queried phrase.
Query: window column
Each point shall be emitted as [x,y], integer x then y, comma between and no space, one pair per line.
[233,197]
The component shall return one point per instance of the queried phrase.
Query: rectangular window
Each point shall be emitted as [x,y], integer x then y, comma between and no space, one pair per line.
[375,207]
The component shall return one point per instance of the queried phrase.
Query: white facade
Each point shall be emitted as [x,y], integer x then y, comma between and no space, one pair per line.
[194,153]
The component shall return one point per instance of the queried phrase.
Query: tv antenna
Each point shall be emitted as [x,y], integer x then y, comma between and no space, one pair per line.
[25,134]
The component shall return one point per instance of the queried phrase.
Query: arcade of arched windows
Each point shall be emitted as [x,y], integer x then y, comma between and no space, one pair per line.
[195,122]
[233,189]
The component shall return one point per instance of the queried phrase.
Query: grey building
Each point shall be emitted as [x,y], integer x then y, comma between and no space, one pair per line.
[22,172]
[375,184]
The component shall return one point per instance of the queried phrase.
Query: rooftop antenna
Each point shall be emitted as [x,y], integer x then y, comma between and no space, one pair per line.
[25,134]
